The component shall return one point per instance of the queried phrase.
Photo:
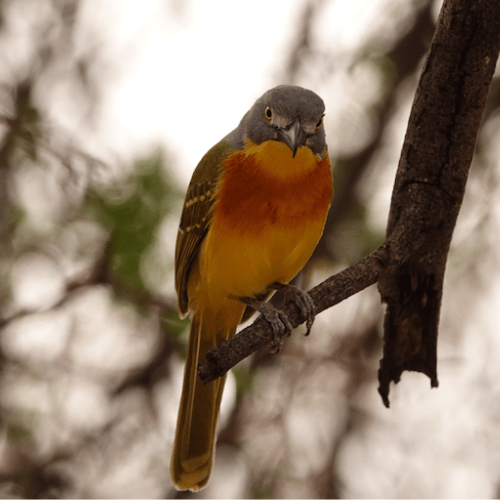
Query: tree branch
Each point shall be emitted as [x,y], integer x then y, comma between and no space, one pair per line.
[335,289]
[427,196]
[436,157]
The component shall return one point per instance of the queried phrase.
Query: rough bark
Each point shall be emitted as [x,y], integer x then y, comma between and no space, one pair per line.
[428,192]
[431,178]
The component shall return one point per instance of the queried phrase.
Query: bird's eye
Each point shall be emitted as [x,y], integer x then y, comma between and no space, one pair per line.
[318,125]
[268,113]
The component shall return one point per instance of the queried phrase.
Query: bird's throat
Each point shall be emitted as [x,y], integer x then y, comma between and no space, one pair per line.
[276,159]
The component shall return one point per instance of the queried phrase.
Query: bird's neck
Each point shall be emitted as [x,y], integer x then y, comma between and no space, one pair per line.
[274,159]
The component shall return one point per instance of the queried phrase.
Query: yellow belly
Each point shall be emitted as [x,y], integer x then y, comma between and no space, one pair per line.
[245,266]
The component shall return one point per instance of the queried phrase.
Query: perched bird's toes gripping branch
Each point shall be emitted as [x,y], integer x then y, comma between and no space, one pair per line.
[277,319]
[301,299]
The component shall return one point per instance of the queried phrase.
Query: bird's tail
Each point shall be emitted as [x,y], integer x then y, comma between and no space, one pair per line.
[194,444]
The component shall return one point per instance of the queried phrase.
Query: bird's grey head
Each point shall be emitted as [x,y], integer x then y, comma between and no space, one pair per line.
[290,114]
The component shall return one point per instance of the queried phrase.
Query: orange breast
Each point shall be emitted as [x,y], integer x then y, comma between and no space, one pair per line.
[267,189]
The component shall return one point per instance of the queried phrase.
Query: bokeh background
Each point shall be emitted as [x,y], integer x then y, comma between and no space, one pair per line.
[106,107]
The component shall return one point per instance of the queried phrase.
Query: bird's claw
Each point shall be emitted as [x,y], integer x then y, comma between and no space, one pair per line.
[301,299]
[278,320]
[279,323]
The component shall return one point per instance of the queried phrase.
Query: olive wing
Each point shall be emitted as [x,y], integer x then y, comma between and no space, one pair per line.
[196,216]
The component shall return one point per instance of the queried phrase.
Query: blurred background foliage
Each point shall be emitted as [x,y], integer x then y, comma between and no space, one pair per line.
[91,346]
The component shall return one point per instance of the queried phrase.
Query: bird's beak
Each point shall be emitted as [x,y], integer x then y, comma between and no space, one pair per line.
[292,136]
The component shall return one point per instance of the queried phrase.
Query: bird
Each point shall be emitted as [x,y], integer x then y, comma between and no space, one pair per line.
[254,212]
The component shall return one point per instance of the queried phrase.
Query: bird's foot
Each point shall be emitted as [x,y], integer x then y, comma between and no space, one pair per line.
[301,299]
[277,319]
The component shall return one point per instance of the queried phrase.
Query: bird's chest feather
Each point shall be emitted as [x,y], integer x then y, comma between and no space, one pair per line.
[267,221]
[265,189]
